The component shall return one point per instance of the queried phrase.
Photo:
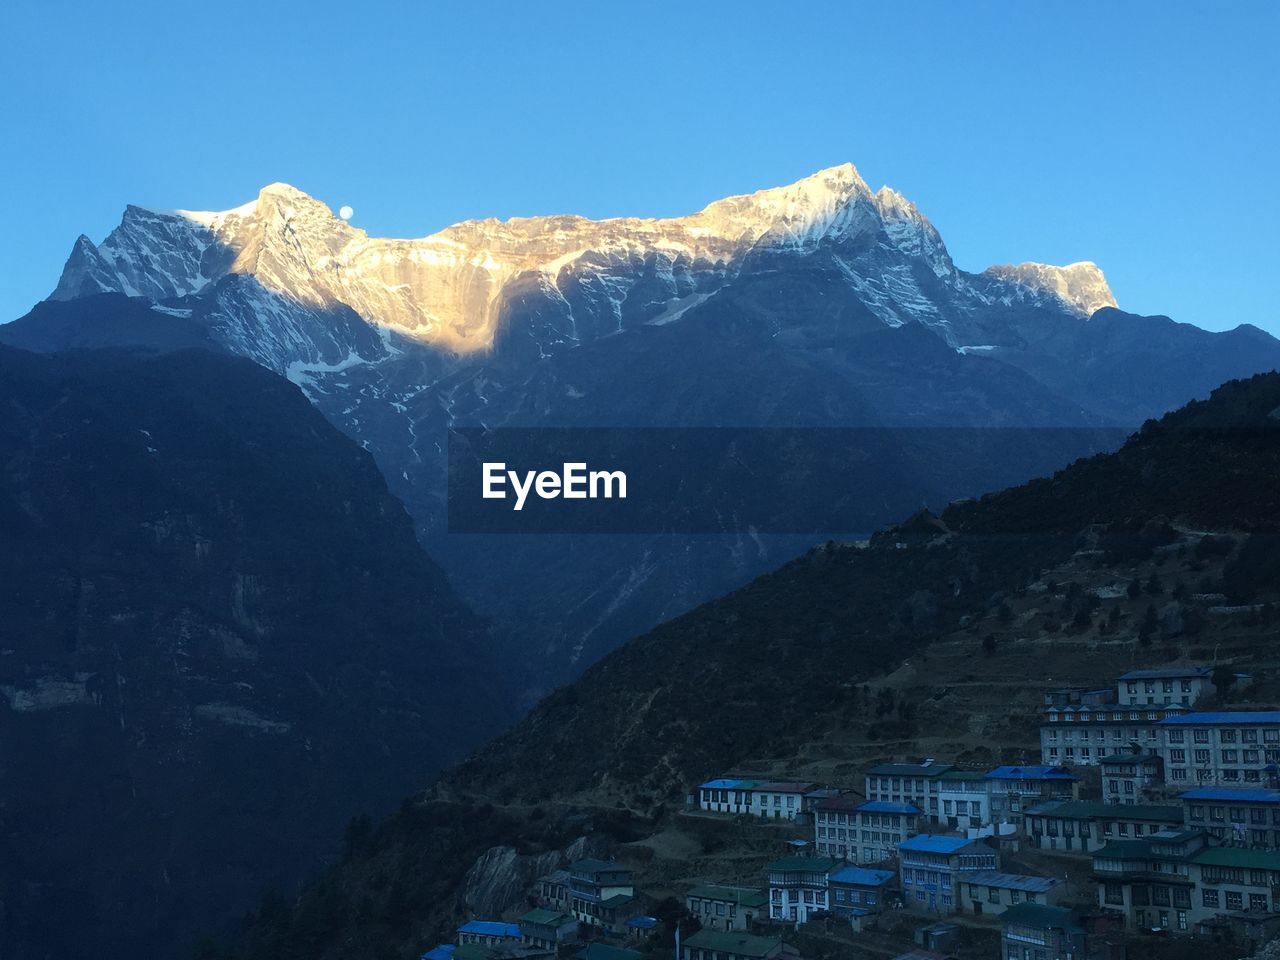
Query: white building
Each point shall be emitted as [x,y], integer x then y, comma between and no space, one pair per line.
[1183,686]
[914,783]
[965,797]
[1226,748]
[1126,777]
[1082,735]
[798,887]
[726,795]
[779,799]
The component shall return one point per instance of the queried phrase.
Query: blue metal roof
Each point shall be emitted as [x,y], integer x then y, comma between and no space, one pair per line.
[1242,718]
[643,923]
[1010,881]
[723,783]
[1228,794]
[1030,773]
[887,806]
[928,843]
[491,928]
[1226,717]
[442,952]
[861,876]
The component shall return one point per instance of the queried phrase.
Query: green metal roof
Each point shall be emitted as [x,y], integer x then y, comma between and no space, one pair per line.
[965,775]
[1096,810]
[803,864]
[1238,857]
[739,895]
[1042,917]
[602,951]
[740,944]
[909,769]
[1124,850]
[546,918]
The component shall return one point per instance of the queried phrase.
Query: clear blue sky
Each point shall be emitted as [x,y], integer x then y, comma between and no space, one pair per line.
[1140,135]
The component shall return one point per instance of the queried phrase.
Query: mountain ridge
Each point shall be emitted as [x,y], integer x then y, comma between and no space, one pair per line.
[221,640]
[818,303]
[475,260]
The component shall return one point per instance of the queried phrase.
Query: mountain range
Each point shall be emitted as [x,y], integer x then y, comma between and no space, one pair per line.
[818,303]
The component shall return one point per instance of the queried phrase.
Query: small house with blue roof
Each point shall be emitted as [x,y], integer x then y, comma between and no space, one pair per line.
[930,867]
[991,891]
[858,894]
[731,795]
[488,933]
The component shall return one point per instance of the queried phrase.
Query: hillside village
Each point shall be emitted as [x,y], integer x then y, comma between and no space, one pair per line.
[1145,817]
[1007,660]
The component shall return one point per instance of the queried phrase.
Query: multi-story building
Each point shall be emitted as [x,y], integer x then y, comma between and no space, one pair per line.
[1127,776]
[990,891]
[1017,789]
[1235,816]
[965,799]
[1149,882]
[882,825]
[858,892]
[1230,880]
[1081,735]
[1083,826]
[726,908]
[798,887]
[914,783]
[1225,748]
[1175,882]
[931,868]
[599,892]
[780,799]
[835,827]
[551,891]
[1167,686]
[1034,931]
[864,832]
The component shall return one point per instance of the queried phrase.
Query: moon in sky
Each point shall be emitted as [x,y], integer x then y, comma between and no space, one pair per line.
[345,212]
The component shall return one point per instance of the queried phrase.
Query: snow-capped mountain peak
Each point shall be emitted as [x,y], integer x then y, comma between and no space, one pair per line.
[457,289]
[1081,286]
